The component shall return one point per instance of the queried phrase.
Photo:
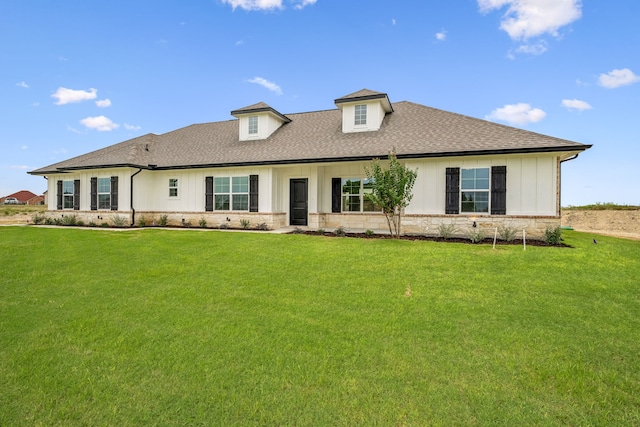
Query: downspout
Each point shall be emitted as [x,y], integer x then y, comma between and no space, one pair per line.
[133,211]
[559,207]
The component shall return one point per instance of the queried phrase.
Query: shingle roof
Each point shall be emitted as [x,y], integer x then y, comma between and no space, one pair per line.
[413,129]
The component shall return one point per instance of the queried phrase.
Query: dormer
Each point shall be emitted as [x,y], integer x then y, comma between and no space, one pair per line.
[363,111]
[258,121]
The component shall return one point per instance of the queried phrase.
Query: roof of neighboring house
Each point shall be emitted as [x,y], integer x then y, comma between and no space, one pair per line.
[22,196]
[414,131]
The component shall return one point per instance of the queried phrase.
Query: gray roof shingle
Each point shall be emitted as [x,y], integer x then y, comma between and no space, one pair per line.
[414,130]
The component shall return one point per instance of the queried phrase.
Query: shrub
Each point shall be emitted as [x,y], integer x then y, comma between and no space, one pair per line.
[507,233]
[369,233]
[340,232]
[224,225]
[162,222]
[553,235]
[49,221]
[186,224]
[446,231]
[118,220]
[202,223]
[320,230]
[92,224]
[297,230]
[476,235]
[245,223]
[142,221]
[38,218]
[104,225]
[69,220]
[80,223]
[262,226]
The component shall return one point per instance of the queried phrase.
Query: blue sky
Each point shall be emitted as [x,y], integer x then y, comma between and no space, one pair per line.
[79,76]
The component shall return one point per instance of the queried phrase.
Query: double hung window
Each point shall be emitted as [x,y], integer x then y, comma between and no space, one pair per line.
[104,193]
[360,115]
[253,125]
[173,187]
[231,193]
[474,186]
[354,195]
[67,194]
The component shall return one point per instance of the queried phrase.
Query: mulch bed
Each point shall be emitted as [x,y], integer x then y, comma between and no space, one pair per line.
[485,241]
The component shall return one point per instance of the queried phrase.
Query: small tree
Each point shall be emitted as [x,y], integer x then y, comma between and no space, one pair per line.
[391,189]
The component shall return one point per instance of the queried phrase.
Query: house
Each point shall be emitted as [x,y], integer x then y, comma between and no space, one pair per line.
[23,197]
[308,169]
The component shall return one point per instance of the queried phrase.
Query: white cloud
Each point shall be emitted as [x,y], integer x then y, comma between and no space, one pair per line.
[74,130]
[35,104]
[255,4]
[103,103]
[23,84]
[531,18]
[69,96]
[533,49]
[267,84]
[301,4]
[21,167]
[267,4]
[617,78]
[519,114]
[442,35]
[131,127]
[24,147]
[393,22]
[99,123]
[576,104]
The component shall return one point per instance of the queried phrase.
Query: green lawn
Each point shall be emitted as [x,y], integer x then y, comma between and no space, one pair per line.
[173,327]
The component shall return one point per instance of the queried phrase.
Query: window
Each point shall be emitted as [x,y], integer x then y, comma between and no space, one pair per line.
[253,125]
[361,115]
[231,193]
[67,194]
[474,194]
[482,190]
[173,187]
[354,191]
[104,193]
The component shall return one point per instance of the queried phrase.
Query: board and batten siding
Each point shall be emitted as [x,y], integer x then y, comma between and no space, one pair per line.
[531,183]
[151,188]
[84,177]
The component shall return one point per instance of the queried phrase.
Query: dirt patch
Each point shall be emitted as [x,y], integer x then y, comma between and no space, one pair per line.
[617,223]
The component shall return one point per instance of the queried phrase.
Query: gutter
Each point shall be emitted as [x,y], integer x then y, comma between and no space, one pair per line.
[570,158]
[133,211]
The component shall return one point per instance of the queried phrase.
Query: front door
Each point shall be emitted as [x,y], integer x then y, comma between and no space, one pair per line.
[298,203]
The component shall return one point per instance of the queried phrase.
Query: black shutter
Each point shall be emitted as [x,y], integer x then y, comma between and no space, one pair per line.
[452,203]
[336,195]
[114,193]
[76,195]
[94,193]
[59,195]
[253,193]
[208,194]
[499,190]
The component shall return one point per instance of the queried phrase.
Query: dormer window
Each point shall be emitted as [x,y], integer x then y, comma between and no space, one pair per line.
[361,115]
[363,111]
[258,121]
[253,125]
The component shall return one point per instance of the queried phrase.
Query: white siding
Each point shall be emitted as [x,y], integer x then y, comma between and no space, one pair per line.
[375,115]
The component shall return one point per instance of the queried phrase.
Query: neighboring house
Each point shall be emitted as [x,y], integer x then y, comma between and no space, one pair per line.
[308,169]
[23,197]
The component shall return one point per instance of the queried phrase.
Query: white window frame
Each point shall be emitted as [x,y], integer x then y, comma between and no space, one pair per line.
[101,206]
[252,127]
[360,115]
[66,195]
[360,196]
[173,187]
[474,188]
[234,190]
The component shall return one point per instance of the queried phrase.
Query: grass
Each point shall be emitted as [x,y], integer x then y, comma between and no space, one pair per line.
[603,206]
[10,210]
[171,327]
